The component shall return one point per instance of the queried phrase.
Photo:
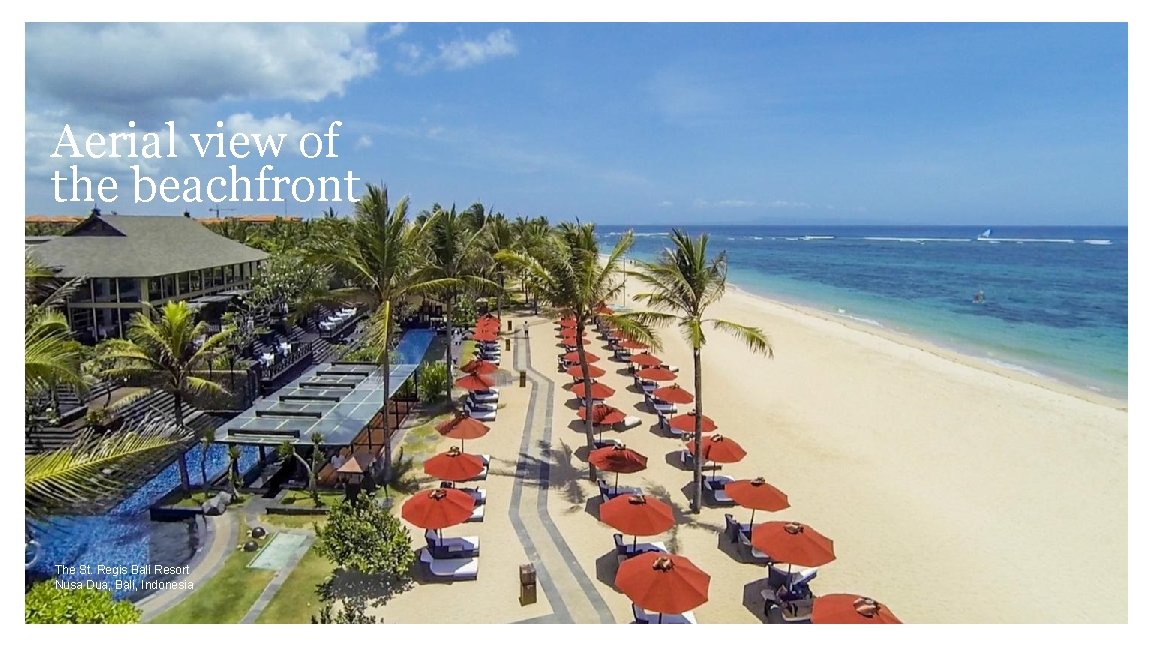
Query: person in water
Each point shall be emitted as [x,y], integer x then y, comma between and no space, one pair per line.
[978,298]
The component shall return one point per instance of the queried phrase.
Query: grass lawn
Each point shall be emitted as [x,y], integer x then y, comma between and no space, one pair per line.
[227,596]
[298,599]
[301,497]
[298,521]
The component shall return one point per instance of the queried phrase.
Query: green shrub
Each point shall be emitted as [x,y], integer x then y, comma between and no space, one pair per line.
[433,381]
[362,536]
[44,603]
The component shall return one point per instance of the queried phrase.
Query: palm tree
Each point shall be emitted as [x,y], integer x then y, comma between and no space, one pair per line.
[569,274]
[51,356]
[288,450]
[454,250]
[379,253]
[498,236]
[96,470]
[684,283]
[164,350]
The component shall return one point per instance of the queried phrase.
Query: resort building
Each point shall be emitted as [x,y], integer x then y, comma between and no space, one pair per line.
[133,261]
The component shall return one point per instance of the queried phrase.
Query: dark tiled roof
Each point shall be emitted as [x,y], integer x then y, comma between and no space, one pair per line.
[140,246]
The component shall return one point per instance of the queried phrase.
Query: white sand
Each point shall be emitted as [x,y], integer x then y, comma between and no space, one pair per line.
[954,492]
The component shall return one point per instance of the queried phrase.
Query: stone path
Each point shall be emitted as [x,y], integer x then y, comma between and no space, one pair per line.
[559,574]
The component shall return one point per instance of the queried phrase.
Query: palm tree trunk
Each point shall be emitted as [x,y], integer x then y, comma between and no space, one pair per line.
[448,349]
[589,433]
[386,306]
[185,482]
[698,436]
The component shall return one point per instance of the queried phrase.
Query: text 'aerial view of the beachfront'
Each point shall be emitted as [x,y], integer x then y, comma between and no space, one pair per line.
[596,323]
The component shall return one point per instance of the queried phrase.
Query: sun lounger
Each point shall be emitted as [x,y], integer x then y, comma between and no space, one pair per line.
[482,415]
[450,568]
[714,486]
[648,386]
[483,406]
[628,423]
[640,615]
[741,533]
[477,514]
[624,550]
[661,407]
[460,547]
[608,492]
[778,576]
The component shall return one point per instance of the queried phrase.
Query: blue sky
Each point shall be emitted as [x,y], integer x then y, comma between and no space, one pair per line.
[620,123]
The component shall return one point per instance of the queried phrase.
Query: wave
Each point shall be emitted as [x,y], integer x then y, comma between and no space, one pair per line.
[863,320]
[817,238]
[919,239]
[1097,241]
[1023,240]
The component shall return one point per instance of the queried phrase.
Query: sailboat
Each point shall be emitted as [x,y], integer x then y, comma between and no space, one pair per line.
[986,234]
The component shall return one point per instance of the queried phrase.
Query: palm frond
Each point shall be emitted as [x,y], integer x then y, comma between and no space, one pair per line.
[751,336]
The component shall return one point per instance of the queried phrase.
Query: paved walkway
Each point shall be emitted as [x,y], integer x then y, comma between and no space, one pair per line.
[560,576]
[221,538]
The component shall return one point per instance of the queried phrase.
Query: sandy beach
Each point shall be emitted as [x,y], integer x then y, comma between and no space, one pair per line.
[954,492]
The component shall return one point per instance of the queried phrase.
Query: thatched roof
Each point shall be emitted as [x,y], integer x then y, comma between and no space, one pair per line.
[140,246]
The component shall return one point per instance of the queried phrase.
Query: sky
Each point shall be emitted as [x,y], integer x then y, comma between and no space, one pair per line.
[861,123]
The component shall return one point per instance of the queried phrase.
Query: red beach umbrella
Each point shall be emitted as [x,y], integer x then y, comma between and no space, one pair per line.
[645,360]
[656,373]
[850,608]
[603,309]
[663,583]
[637,516]
[482,367]
[570,340]
[578,373]
[618,459]
[757,495]
[474,382]
[454,466]
[484,336]
[793,543]
[673,394]
[687,422]
[566,320]
[438,508]
[632,344]
[574,356]
[489,316]
[462,427]
[720,449]
[599,391]
[603,414]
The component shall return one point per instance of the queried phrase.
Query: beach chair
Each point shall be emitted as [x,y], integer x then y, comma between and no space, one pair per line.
[483,406]
[465,547]
[793,608]
[662,408]
[714,487]
[607,443]
[477,514]
[608,492]
[742,534]
[640,615]
[481,415]
[450,568]
[488,396]
[624,550]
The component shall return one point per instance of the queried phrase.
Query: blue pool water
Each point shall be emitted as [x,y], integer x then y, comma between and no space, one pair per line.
[412,346]
[1055,298]
[124,536]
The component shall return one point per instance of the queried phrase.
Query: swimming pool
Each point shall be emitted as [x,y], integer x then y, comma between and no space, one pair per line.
[412,346]
[108,546]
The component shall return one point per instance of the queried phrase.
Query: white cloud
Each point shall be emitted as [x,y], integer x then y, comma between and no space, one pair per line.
[395,30]
[363,142]
[789,204]
[736,203]
[275,125]
[159,70]
[665,203]
[459,54]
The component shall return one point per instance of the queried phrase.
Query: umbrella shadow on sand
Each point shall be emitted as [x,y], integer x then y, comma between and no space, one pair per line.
[754,603]
[606,567]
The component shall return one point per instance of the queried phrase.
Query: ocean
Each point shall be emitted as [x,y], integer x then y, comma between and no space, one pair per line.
[1053,301]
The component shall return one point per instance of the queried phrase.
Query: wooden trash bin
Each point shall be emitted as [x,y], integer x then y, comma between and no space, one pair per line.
[527,584]
[523,378]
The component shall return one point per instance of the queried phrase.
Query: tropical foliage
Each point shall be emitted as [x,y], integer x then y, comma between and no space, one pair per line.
[433,382]
[366,538]
[45,603]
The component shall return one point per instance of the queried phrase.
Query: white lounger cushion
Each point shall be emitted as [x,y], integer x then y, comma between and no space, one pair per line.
[477,514]
[479,495]
[455,568]
[483,406]
[628,422]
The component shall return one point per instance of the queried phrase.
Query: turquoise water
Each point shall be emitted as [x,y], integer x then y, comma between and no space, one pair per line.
[1055,298]
[412,346]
